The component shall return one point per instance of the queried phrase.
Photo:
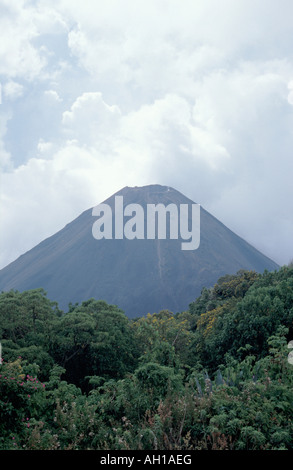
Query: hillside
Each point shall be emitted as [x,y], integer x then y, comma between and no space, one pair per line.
[140,276]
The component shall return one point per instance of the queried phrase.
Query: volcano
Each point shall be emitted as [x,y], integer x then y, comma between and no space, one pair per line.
[138,275]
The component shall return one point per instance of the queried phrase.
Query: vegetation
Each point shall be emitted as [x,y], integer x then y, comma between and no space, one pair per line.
[215,377]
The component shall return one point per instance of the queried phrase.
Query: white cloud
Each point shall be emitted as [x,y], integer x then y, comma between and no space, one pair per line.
[290,95]
[21,23]
[162,47]
[5,157]
[90,119]
[18,57]
[53,94]
[12,90]
[44,147]
[195,95]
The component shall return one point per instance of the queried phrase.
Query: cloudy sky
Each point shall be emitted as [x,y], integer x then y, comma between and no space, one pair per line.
[194,94]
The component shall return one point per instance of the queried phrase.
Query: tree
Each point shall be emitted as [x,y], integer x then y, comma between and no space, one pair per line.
[95,339]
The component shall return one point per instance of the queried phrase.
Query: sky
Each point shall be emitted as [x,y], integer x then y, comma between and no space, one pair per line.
[193,94]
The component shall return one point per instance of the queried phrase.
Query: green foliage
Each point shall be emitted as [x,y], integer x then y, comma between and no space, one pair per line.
[233,323]
[215,377]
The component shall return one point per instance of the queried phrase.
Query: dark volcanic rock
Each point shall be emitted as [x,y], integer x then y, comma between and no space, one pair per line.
[139,276]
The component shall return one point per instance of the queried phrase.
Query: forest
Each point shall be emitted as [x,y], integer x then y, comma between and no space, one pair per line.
[213,377]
